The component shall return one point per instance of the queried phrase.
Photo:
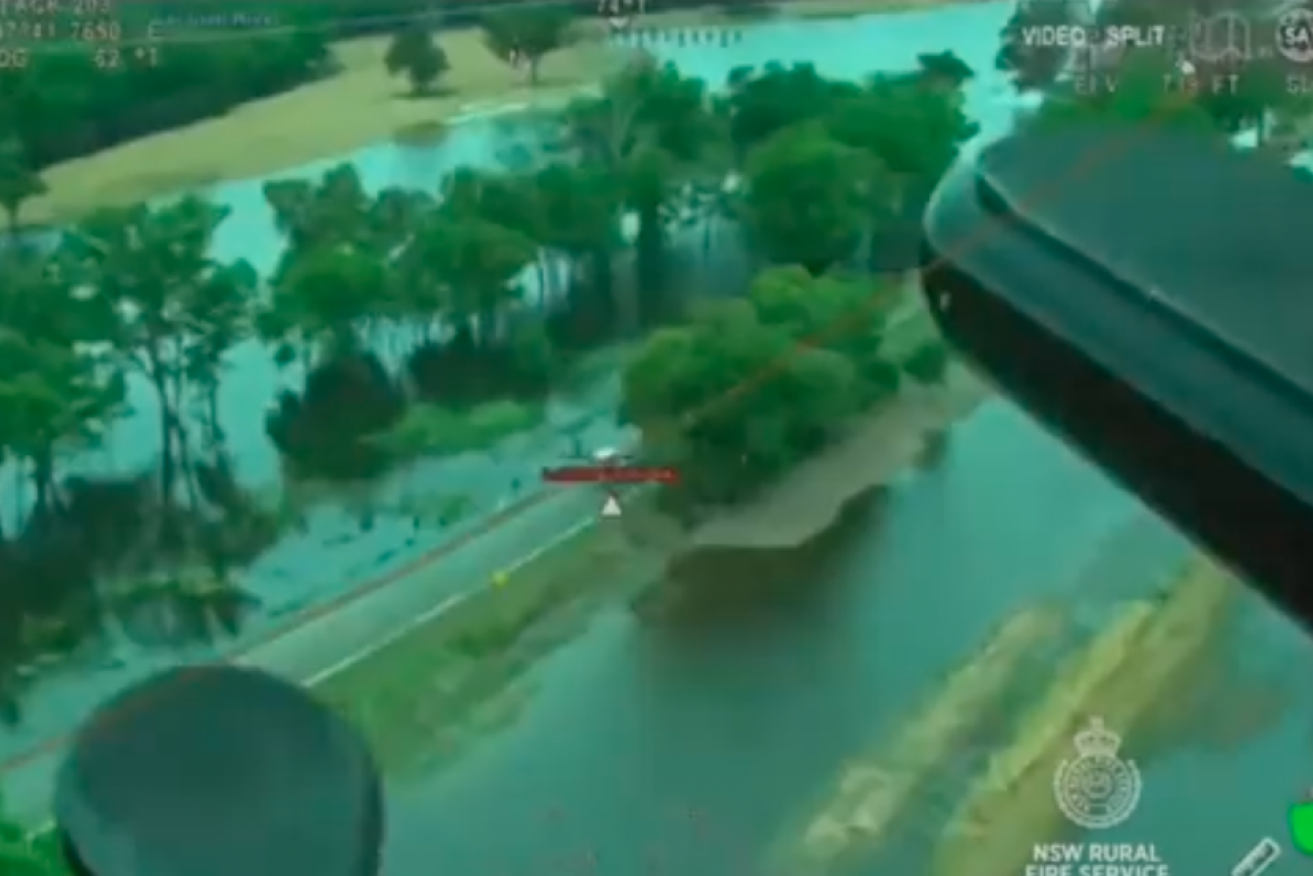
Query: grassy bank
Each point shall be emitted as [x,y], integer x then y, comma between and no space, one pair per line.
[426,697]
[359,106]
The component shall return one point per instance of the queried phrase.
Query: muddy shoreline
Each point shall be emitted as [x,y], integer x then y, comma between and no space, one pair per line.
[812,497]
[739,556]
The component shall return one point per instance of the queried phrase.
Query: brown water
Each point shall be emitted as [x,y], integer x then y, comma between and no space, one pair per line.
[688,747]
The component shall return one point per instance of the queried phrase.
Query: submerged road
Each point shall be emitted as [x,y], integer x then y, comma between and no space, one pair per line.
[331,636]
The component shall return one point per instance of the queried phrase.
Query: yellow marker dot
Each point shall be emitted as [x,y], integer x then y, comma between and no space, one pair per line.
[499,579]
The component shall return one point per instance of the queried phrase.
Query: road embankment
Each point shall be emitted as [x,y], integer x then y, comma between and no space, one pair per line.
[874,793]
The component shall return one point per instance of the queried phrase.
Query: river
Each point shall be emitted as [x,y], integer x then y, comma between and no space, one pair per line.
[636,729]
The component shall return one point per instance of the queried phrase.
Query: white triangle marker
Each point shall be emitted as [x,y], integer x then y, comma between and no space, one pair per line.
[611,508]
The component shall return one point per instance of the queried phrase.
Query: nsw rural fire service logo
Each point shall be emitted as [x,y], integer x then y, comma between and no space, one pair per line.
[1097,790]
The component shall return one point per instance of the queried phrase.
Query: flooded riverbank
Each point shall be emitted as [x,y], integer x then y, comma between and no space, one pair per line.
[335,552]
[692,742]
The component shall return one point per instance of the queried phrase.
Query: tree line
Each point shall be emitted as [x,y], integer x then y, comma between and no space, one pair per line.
[76,97]
[69,101]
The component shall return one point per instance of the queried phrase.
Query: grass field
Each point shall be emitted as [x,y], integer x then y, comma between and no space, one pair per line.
[359,106]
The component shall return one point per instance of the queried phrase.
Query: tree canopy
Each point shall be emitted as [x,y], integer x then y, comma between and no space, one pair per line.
[414,53]
[526,36]
[684,388]
[65,103]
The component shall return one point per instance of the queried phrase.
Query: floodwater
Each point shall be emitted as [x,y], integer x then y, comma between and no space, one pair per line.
[652,749]
[689,749]
[698,744]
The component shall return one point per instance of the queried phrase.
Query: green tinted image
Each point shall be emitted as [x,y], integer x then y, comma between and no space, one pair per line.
[1301,827]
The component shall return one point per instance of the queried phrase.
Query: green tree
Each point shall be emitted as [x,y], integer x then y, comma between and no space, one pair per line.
[908,126]
[846,316]
[221,309]
[762,103]
[391,216]
[334,210]
[806,200]
[68,333]
[507,199]
[526,36]
[649,128]
[916,131]
[52,399]
[578,211]
[26,853]
[464,269]
[943,69]
[735,441]
[57,393]
[56,397]
[149,267]
[18,182]
[332,224]
[1031,65]
[818,338]
[414,52]
[912,127]
[325,298]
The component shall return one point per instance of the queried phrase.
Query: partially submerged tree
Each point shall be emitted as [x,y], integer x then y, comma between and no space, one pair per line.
[648,129]
[152,268]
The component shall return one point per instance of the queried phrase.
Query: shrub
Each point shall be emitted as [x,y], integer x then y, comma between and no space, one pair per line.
[929,364]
